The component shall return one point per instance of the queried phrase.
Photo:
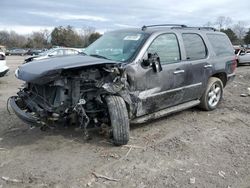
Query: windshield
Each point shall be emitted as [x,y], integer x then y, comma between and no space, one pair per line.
[117,46]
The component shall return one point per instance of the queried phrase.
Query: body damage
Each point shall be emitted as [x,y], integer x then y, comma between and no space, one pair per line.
[72,95]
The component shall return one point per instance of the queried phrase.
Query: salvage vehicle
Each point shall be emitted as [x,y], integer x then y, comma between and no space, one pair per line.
[3,67]
[128,76]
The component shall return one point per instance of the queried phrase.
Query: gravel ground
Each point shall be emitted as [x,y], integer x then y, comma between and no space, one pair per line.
[192,148]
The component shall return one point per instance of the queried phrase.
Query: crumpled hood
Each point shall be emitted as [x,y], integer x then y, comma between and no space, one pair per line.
[35,70]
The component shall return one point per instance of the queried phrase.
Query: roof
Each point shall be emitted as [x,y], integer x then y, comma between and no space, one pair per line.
[165,27]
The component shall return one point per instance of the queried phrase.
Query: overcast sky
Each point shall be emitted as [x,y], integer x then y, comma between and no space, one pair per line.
[25,16]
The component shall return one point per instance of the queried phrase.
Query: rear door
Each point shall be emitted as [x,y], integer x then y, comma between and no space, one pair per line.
[198,65]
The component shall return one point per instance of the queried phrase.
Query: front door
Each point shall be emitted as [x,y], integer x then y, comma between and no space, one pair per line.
[158,90]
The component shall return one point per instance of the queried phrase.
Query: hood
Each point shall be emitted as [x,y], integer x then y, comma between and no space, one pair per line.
[36,71]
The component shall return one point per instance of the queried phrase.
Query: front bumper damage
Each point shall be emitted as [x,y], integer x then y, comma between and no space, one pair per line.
[77,98]
[27,117]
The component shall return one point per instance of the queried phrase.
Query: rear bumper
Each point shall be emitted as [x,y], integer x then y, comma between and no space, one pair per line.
[24,116]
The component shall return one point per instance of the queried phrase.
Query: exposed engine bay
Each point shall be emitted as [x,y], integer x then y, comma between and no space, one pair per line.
[76,97]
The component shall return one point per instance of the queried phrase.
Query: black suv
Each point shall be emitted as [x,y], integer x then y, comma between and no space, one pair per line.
[127,76]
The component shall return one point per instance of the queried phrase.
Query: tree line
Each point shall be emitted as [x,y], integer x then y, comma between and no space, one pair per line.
[70,37]
[237,32]
[59,36]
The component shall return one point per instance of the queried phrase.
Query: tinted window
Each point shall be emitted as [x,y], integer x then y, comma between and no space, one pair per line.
[221,44]
[166,46]
[194,46]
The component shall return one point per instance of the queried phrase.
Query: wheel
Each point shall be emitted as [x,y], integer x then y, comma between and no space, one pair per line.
[212,95]
[118,115]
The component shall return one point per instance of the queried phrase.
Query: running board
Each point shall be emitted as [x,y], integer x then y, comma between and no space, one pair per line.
[165,112]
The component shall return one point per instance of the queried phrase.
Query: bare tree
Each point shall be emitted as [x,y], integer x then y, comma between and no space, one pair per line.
[46,35]
[240,29]
[12,39]
[17,40]
[208,24]
[4,38]
[85,35]
[228,21]
[223,22]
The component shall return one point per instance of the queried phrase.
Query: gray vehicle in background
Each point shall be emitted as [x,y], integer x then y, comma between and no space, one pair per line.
[243,57]
[127,76]
[54,52]
[17,51]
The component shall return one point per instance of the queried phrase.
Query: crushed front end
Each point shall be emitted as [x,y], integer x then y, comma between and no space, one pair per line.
[76,96]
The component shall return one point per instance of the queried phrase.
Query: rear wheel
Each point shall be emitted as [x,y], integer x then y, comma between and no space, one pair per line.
[212,95]
[119,119]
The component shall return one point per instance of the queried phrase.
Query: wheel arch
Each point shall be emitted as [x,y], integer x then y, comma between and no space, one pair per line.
[222,76]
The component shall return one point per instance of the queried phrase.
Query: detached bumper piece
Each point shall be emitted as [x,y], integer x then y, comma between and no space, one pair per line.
[22,114]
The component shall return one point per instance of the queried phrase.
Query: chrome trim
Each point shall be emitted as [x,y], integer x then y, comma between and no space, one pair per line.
[179,71]
[208,66]
[172,90]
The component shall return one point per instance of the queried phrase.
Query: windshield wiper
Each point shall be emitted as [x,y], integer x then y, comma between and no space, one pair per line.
[98,56]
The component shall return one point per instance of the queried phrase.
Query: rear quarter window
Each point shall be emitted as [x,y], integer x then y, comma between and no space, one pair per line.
[221,44]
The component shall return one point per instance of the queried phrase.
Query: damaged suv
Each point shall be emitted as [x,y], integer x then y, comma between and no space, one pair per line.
[127,76]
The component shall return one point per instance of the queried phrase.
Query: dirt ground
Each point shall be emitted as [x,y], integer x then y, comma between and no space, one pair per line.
[192,148]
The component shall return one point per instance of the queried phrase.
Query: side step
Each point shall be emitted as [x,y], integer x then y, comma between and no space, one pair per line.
[165,112]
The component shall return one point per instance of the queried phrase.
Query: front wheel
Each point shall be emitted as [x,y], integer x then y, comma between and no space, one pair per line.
[119,119]
[212,95]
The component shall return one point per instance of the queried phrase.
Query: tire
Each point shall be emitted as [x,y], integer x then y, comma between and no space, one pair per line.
[119,119]
[212,95]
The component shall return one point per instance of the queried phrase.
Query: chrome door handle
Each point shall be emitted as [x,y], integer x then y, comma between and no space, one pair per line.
[179,71]
[208,66]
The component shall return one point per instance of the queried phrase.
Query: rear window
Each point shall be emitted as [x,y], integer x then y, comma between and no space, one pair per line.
[194,46]
[221,44]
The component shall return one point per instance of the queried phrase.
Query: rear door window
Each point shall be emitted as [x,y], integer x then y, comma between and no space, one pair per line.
[221,44]
[194,46]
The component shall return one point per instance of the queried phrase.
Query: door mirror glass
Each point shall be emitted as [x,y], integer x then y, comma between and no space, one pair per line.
[152,60]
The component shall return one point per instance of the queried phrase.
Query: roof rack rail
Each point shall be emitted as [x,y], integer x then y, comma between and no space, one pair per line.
[163,25]
[199,28]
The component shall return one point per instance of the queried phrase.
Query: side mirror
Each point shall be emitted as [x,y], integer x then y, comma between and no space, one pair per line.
[152,60]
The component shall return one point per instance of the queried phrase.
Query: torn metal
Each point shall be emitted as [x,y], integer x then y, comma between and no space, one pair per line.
[76,96]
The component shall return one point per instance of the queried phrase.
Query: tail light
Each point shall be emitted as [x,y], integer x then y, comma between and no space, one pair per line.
[2,57]
[234,64]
